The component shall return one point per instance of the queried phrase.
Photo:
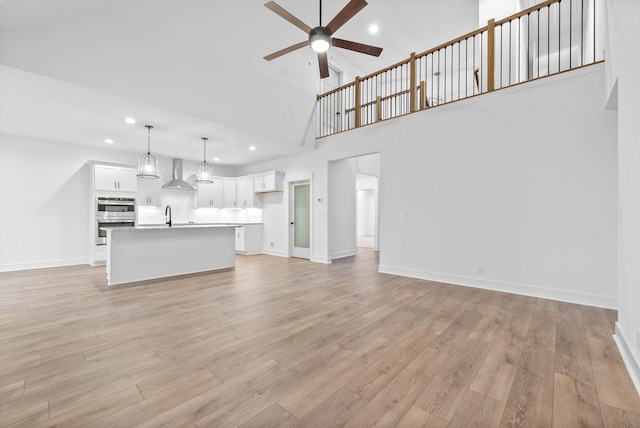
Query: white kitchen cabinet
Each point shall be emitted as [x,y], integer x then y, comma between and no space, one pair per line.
[245,195]
[211,195]
[149,192]
[249,239]
[114,179]
[240,245]
[269,182]
[229,193]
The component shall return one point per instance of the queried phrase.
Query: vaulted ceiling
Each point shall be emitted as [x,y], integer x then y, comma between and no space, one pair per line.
[72,70]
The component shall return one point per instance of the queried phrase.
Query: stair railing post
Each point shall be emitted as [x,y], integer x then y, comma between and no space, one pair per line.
[491,54]
[358,103]
[412,82]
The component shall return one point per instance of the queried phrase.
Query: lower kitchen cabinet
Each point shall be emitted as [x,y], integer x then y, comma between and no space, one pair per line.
[249,239]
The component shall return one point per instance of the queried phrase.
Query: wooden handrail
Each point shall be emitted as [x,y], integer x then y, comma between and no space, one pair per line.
[370,103]
[527,11]
[452,42]
[384,70]
[345,86]
[409,77]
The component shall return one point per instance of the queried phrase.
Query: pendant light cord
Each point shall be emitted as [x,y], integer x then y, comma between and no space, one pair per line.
[321,13]
[148,138]
[204,139]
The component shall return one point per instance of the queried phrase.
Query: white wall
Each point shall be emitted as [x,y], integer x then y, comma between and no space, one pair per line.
[521,182]
[44,215]
[623,63]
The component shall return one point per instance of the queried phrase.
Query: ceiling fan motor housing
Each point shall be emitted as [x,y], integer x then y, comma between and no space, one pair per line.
[319,39]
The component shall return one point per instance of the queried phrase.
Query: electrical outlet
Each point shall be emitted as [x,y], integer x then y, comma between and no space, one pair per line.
[271,244]
[480,270]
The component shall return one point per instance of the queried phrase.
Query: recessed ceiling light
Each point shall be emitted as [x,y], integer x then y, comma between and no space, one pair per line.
[373,28]
[252,148]
[108,141]
[216,159]
[130,121]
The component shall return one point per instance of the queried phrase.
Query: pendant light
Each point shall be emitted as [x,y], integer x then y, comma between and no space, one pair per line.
[205,170]
[148,166]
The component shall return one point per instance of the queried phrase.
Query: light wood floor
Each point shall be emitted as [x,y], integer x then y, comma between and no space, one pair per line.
[285,342]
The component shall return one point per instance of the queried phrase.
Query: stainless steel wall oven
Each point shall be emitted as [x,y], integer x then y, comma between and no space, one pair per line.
[113,211]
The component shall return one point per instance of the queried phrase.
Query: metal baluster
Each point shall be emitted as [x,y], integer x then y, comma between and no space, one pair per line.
[560,34]
[548,40]
[594,30]
[581,32]
[538,15]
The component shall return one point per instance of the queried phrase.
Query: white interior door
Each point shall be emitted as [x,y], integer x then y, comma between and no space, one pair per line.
[300,220]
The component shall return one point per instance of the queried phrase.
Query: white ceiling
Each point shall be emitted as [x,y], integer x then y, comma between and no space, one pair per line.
[72,70]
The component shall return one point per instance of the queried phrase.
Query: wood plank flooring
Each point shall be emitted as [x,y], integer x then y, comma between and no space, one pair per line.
[281,342]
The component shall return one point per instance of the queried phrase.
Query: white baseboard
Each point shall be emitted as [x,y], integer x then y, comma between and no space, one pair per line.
[609,302]
[629,358]
[318,259]
[341,254]
[42,265]
[272,252]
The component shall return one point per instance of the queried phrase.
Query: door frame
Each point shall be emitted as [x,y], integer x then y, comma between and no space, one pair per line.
[290,218]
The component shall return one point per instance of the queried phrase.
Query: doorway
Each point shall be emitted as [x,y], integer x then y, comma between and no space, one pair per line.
[353,205]
[300,219]
[367,211]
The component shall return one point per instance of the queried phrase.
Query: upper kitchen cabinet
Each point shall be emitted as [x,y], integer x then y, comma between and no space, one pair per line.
[211,195]
[246,197]
[110,178]
[268,182]
[149,192]
[230,197]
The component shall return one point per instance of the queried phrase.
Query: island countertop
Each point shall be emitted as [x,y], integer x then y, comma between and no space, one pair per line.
[166,226]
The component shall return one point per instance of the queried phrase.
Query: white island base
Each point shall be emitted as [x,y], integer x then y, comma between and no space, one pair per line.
[142,253]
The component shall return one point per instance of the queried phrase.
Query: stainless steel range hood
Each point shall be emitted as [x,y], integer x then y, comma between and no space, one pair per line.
[176,180]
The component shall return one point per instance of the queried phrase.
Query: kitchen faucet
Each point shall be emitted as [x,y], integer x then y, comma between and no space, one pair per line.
[167,217]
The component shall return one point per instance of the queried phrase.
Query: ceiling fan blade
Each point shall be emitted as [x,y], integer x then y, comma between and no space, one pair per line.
[357,47]
[274,7]
[353,7]
[286,50]
[324,64]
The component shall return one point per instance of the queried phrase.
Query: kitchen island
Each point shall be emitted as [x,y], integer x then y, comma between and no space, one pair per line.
[150,252]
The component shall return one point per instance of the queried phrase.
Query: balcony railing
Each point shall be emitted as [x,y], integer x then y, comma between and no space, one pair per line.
[546,39]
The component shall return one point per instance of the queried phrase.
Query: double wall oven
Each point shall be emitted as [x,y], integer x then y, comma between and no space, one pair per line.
[113,212]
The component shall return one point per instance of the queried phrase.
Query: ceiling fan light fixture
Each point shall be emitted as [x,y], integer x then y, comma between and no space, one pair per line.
[319,40]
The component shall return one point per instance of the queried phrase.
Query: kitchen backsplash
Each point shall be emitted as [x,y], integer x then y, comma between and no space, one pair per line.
[182,211]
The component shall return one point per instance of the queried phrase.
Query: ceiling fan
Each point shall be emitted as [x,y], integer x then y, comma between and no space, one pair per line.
[320,38]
